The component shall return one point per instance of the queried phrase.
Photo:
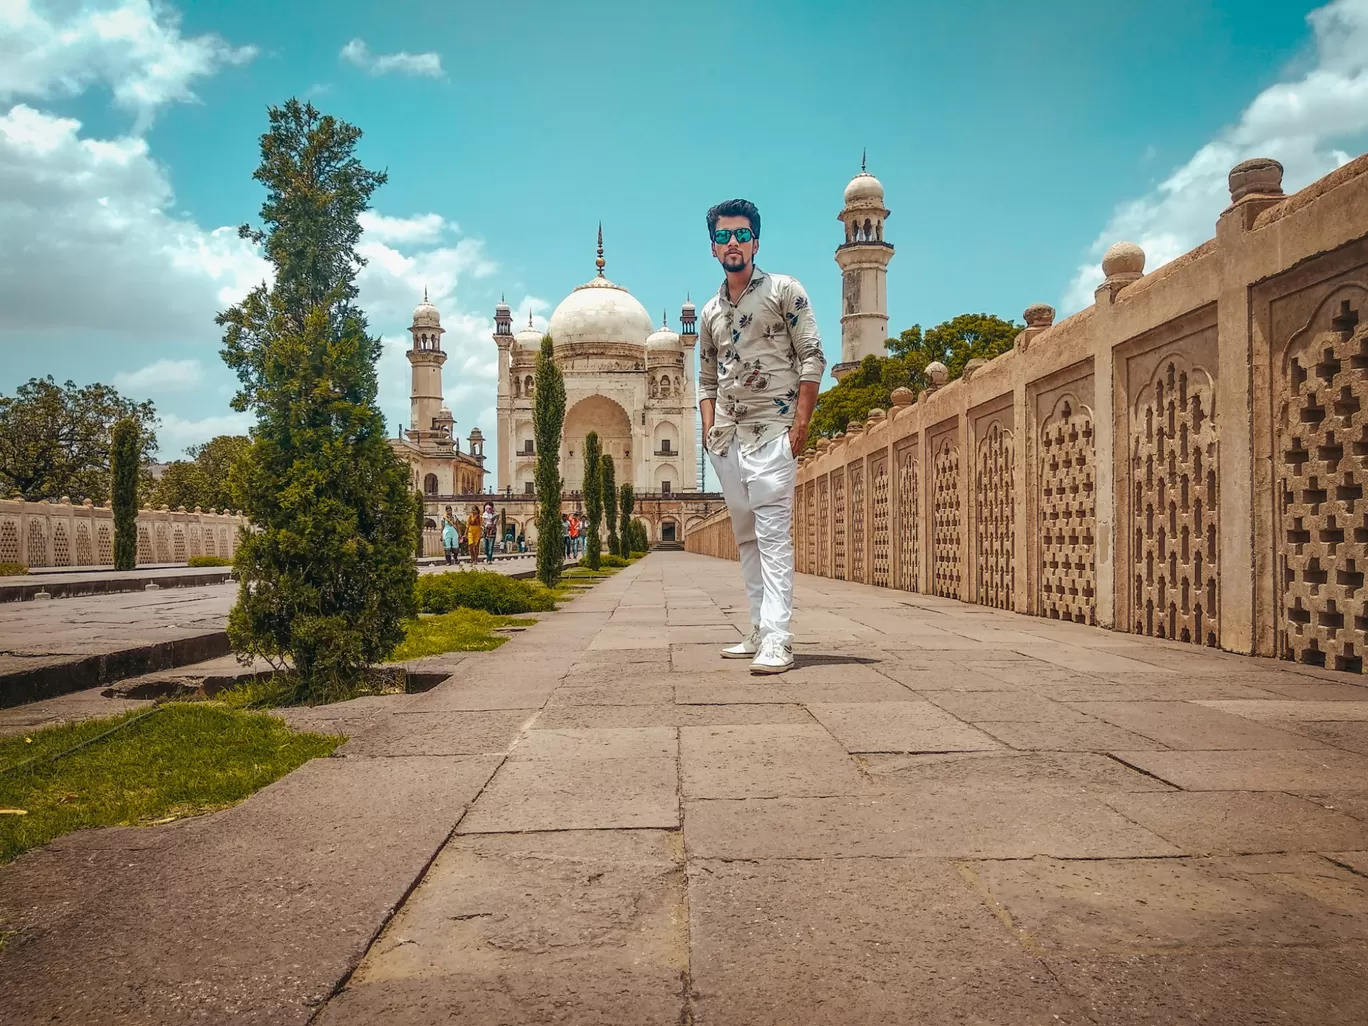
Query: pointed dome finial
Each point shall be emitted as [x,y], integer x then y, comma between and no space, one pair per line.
[425,299]
[600,261]
[864,152]
[664,318]
[529,317]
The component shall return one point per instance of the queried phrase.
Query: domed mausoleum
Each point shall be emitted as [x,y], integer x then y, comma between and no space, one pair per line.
[625,378]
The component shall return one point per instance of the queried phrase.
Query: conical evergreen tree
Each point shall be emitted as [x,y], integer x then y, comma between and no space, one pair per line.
[593,501]
[548,419]
[123,465]
[608,489]
[327,573]
[626,501]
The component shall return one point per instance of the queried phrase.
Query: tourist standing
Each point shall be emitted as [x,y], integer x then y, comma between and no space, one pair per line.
[574,535]
[489,522]
[565,535]
[760,362]
[473,533]
[451,537]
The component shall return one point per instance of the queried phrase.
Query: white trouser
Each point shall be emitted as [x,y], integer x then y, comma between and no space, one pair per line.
[758,488]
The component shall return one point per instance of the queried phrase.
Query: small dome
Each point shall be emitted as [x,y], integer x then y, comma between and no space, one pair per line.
[501,306]
[662,340]
[528,337]
[688,306]
[444,414]
[864,189]
[1124,258]
[425,315]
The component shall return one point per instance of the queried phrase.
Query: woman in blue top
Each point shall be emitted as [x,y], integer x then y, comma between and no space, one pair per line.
[451,537]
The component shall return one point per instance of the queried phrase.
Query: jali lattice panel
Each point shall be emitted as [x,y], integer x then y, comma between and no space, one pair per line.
[810,520]
[1068,514]
[995,526]
[907,573]
[879,520]
[824,527]
[838,524]
[855,475]
[946,520]
[1322,460]
[799,528]
[1173,483]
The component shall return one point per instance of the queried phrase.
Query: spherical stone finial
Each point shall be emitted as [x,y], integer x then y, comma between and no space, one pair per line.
[66,500]
[1261,176]
[1039,315]
[855,427]
[902,397]
[876,415]
[937,372]
[1124,259]
[823,444]
[88,504]
[973,366]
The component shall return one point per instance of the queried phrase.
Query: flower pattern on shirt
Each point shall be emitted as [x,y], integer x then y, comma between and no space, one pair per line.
[752,356]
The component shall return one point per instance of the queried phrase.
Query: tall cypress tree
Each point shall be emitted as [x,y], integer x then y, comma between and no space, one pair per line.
[328,571]
[124,467]
[593,500]
[626,502]
[608,487]
[548,418]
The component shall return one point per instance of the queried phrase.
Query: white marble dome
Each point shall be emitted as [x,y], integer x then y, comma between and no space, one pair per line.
[529,338]
[864,189]
[662,341]
[425,315]
[600,311]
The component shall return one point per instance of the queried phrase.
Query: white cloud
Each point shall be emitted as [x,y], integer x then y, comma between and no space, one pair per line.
[1305,122]
[358,53]
[161,376]
[132,47]
[420,228]
[176,434]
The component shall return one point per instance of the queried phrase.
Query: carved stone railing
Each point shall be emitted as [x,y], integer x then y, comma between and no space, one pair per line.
[66,534]
[1185,459]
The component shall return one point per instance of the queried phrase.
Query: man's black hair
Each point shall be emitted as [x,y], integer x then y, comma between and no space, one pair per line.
[735,208]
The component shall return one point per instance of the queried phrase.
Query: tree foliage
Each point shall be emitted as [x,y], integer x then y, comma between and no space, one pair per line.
[608,489]
[125,461]
[593,500]
[57,440]
[626,503]
[548,420]
[327,573]
[954,343]
[205,479]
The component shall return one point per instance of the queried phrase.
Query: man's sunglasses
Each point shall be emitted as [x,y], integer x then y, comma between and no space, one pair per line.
[723,235]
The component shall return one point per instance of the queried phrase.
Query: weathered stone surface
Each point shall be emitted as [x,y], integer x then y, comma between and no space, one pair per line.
[1293,710]
[884,936]
[1310,771]
[1069,736]
[767,691]
[1187,725]
[440,733]
[898,727]
[989,706]
[577,794]
[601,716]
[604,743]
[762,761]
[974,773]
[1241,822]
[654,693]
[1013,826]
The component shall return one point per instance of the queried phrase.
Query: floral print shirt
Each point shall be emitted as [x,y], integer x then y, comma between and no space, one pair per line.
[752,355]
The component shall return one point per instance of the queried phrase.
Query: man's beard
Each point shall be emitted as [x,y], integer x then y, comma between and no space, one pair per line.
[733,264]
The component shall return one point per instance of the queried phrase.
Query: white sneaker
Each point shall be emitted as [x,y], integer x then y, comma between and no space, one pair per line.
[774,657]
[745,648]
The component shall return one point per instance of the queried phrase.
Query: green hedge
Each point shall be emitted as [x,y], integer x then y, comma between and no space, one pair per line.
[13,570]
[208,561]
[481,589]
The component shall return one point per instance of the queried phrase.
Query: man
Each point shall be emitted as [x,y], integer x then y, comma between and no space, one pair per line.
[760,362]
[565,535]
[575,535]
[451,533]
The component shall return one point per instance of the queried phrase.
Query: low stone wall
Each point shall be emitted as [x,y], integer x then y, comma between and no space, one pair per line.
[1184,459]
[49,534]
[713,537]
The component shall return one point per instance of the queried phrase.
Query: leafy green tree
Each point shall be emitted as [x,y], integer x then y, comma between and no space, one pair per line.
[419,522]
[871,385]
[548,420]
[626,501]
[327,575]
[593,500]
[125,460]
[57,440]
[204,480]
[608,489]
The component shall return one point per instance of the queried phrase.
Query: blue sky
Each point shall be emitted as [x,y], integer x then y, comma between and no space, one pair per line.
[1014,143]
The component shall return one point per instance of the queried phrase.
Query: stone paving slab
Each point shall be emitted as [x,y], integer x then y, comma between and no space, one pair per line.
[1325,768]
[1187,725]
[864,727]
[1240,822]
[973,773]
[439,733]
[763,761]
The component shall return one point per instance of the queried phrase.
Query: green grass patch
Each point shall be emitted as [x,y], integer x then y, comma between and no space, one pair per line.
[181,760]
[208,561]
[461,630]
[13,570]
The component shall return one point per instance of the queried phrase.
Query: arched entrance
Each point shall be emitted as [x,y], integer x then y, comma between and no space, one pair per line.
[601,414]
[669,531]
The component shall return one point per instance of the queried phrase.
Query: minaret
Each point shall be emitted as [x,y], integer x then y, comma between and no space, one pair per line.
[426,357]
[863,258]
[503,338]
[690,442]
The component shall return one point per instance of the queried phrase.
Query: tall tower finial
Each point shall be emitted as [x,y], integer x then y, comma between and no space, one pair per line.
[425,294]
[600,261]
[864,151]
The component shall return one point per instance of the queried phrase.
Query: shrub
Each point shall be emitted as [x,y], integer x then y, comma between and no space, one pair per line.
[616,562]
[13,570]
[124,466]
[638,555]
[208,561]
[481,589]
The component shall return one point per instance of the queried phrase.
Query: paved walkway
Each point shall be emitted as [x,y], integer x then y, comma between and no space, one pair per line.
[944,814]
